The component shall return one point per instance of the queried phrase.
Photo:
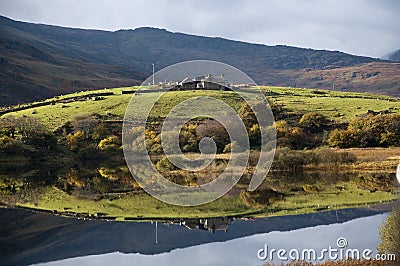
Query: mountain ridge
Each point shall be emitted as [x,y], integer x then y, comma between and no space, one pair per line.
[392,56]
[40,61]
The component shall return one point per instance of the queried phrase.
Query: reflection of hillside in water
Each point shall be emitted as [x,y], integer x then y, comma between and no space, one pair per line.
[29,237]
[95,181]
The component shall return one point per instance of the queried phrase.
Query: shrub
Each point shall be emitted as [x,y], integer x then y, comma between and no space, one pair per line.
[291,137]
[214,130]
[247,115]
[289,160]
[313,121]
[88,153]
[370,131]
[187,141]
[255,136]
[111,143]
[76,140]
[325,155]
[164,165]
[43,140]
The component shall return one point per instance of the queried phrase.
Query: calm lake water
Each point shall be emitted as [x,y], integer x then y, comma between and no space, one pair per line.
[45,239]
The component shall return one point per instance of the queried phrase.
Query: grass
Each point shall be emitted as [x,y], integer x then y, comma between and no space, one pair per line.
[139,206]
[339,196]
[142,206]
[338,106]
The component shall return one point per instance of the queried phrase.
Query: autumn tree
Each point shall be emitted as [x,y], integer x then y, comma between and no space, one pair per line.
[291,137]
[313,121]
[214,130]
[247,115]
[371,131]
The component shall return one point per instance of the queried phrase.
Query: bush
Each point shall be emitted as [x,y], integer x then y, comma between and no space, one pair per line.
[12,146]
[76,140]
[325,155]
[188,141]
[164,165]
[89,153]
[109,144]
[370,131]
[289,160]
[255,136]
[247,115]
[291,137]
[44,140]
[313,121]
[214,130]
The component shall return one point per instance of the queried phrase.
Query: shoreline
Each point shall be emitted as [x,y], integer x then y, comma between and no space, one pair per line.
[382,206]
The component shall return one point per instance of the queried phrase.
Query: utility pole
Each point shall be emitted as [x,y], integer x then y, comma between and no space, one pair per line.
[153,73]
[156,229]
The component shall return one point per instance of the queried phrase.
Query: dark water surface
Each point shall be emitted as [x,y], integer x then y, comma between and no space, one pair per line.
[30,237]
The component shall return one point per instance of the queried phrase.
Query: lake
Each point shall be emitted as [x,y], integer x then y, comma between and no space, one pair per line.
[39,238]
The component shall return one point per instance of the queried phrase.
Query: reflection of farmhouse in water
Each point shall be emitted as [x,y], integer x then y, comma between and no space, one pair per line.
[210,224]
[207,82]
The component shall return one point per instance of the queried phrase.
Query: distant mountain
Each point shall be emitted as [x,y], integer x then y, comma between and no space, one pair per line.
[393,56]
[40,61]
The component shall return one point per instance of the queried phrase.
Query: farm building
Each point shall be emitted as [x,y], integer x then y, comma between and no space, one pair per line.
[208,82]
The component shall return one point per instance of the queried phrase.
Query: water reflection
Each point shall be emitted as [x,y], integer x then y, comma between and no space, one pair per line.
[29,237]
[210,224]
[113,181]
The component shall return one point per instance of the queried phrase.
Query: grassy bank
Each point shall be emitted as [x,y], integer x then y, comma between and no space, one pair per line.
[339,196]
[337,106]
[139,205]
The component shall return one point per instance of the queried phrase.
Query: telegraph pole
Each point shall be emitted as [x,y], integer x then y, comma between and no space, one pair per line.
[156,233]
[153,73]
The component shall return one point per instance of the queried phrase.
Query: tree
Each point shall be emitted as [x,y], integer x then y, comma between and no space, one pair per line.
[370,131]
[28,130]
[255,136]
[165,165]
[247,115]
[288,136]
[344,138]
[289,160]
[44,140]
[187,141]
[214,130]
[313,121]
[389,234]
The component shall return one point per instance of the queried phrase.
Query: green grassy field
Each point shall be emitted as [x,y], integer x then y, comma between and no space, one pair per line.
[143,206]
[330,199]
[338,106]
[139,205]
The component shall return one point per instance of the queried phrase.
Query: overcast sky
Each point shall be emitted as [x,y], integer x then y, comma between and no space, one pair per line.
[363,27]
